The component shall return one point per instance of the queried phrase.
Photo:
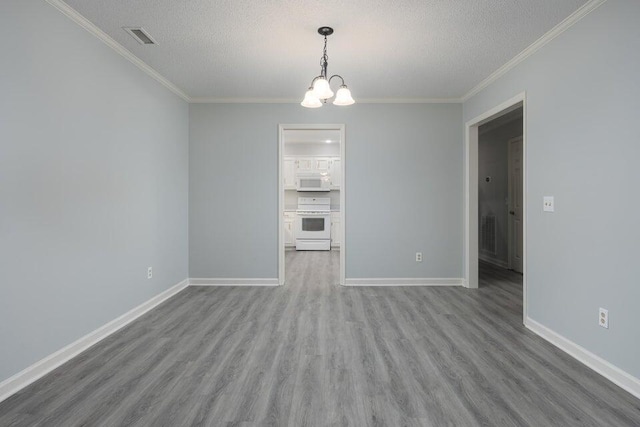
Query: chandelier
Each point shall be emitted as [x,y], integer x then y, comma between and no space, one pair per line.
[320,90]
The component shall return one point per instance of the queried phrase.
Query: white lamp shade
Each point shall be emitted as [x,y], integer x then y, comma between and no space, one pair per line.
[343,97]
[310,100]
[321,89]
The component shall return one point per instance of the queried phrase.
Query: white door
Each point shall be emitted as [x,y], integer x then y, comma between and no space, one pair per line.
[515,204]
[335,172]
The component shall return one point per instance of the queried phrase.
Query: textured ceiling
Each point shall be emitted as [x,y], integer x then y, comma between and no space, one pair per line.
[269,49]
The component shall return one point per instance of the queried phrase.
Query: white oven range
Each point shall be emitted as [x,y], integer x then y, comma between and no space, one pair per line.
[313,224]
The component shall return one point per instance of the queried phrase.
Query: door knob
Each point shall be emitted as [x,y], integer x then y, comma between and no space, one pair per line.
[512,212]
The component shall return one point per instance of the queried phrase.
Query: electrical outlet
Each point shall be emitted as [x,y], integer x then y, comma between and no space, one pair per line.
[547,204]
[149,273]
[418,256]
[603,318]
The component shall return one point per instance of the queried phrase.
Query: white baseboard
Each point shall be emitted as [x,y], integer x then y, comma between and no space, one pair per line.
[34,372]
[616,375]
[233,282]
[405,282]
[496,262]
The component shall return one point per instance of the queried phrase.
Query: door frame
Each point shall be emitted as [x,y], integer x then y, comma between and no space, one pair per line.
[471,191]
[511,230]
[343,240]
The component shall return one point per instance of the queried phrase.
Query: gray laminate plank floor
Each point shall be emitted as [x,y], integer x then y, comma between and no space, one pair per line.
[312,353]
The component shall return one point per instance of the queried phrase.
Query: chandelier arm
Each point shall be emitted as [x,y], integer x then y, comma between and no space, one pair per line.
[338,76]
[314,80]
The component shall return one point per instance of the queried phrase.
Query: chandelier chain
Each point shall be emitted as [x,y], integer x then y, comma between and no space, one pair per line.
[324,60]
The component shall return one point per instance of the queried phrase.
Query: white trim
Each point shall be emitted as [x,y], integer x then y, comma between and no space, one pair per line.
[428,281]
[471,192]
[36,371]
[343,205]
[232,282]
[493,261]
[611,372]
[106,39]
[563,26]
[410,101]
[214,100]
[471,207]
[343,186]
[281,239]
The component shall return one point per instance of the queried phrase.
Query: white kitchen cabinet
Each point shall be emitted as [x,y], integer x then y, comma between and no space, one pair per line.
[313,164]
[322,164]
[289,172]
[335,173]
[335,230]
[289,229]
[326,165]
[305,164]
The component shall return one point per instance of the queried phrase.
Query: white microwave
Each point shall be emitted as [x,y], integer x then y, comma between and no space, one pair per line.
[312,182]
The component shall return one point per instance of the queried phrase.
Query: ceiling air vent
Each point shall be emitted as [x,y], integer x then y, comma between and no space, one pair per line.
[140,34]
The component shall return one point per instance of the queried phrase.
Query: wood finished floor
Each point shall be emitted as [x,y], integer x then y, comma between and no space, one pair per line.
[315,354]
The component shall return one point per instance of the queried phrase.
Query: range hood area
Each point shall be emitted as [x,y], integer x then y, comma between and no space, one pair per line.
[313,181]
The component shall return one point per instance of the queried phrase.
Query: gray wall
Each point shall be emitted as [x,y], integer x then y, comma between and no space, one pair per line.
[493,152]
[583,148]
[93,184]
[403,194]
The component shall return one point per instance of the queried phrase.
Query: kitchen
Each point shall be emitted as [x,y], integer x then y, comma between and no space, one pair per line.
[311,177]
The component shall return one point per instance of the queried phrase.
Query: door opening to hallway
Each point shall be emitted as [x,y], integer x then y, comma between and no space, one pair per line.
[500,198]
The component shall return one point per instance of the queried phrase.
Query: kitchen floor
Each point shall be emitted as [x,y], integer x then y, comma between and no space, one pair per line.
[312,353]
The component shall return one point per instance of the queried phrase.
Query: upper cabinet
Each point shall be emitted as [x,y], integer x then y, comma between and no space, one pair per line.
[305,164]
[335,173]
[323,164]
[313,164]
[293,165]
[289,173]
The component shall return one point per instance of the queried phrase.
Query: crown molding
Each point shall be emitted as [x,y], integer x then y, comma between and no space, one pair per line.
[563,26]
[106,39]
[410,101]
[206,100]
[213,100]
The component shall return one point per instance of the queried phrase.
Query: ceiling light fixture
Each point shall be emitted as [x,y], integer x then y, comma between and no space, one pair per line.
[320,89]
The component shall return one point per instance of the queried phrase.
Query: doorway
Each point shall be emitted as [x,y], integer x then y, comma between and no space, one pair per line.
[492,232]
[311,199]
[500,191]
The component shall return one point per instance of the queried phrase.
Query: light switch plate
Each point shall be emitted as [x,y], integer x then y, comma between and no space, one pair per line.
[547,204]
